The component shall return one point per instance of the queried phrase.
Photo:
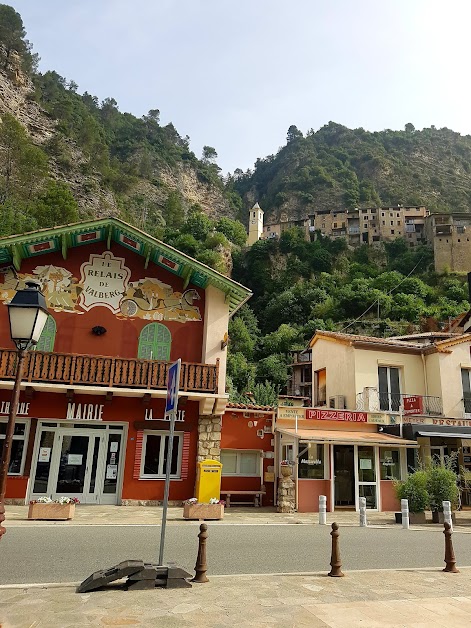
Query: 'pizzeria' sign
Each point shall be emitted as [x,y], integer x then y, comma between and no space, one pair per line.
[336,415]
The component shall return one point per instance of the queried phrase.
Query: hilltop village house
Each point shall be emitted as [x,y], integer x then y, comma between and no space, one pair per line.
[91,413]
[377,405]
[447,234]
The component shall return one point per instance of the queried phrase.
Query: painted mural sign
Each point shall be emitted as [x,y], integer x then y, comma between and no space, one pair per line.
[104,282]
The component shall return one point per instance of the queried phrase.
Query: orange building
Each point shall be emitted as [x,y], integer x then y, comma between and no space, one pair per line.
[247,452]
[91,415]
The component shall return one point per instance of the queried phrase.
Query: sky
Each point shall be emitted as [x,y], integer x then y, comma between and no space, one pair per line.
[235,74]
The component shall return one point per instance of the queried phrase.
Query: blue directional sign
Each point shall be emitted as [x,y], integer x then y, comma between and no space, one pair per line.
[173,384]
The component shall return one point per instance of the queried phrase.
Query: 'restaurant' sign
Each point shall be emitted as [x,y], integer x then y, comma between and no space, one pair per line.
[413,405]
[336,415]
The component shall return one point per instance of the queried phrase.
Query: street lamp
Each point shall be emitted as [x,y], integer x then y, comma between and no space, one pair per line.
[28,314]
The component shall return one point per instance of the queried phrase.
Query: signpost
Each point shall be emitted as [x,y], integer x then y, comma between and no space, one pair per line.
[171,405]
[413,404]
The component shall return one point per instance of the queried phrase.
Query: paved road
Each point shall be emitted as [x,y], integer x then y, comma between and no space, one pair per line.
[68,554]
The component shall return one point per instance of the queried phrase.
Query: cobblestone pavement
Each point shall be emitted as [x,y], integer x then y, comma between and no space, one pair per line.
[413,598]
[141,515]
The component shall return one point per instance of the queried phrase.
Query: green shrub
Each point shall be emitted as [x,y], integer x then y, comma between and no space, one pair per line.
[414,489]
[441,486]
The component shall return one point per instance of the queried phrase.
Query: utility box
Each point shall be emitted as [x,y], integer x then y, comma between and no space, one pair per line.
[208,480]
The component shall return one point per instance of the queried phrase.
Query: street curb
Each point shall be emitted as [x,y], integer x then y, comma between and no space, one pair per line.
[312,574]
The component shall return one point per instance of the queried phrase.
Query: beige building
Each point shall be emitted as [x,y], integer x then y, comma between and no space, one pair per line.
[372,224]
[449,235]
[358,226]
[379,405]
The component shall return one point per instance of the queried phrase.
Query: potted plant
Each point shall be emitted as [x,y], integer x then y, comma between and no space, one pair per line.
[192,509]
[286,467]
[442,485]
[52,509]
[414,489]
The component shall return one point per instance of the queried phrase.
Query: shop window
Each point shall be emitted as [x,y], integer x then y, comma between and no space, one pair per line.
[389,463]
[155,342]
[18,448]
[48,336]
[154,455]
[239,462]
[311,461]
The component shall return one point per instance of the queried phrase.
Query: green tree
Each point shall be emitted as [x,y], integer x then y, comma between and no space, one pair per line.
[209,154]
[56,206]
[233,230]
[241,372]
[293,134]
[273,369]
[174,213]
[12,37]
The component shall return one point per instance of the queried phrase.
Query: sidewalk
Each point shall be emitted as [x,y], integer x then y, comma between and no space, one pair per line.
[141,515]
[413,598]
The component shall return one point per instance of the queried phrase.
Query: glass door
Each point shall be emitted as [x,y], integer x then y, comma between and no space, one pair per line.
[344,476]
[111,472]
[367,480]
[73,466]
[43,463]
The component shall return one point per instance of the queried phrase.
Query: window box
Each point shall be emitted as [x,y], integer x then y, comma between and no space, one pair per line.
[52,512]
[203,511]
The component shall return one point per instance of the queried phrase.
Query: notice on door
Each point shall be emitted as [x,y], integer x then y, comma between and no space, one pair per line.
[75,459]
[111,471]
[44,454]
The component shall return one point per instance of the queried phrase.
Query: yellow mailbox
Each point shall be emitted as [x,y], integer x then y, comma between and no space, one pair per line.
[208,480]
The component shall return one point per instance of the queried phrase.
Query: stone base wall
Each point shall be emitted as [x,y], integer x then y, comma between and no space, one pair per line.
[15,501]
[209,438]
[286,495]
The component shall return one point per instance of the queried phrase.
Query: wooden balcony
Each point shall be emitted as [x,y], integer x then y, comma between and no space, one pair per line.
[92,370]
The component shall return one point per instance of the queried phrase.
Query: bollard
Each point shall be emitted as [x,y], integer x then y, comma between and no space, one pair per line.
[405,513]
[363,520]
[447,514]
[450,560]
[322,510]
[201,567]
[335,562]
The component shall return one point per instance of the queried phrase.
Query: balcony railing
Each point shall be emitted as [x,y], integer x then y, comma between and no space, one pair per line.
[371,400]
[92,370]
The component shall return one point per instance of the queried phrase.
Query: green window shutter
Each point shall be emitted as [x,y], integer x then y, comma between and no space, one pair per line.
[48,335]
[155,342]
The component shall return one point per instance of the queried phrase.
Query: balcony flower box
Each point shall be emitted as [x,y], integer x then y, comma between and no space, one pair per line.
[195,510]
[52,510]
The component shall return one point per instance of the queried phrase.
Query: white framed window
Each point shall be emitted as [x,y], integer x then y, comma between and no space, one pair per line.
[240,462]
[18,448]
[154,455]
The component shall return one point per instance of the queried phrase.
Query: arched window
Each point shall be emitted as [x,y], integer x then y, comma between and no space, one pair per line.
[48,335]
[155,341]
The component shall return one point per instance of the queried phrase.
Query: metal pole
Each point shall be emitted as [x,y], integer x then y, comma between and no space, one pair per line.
[167,486]
[363,520]
[405,513]
[322,510]
[6,453]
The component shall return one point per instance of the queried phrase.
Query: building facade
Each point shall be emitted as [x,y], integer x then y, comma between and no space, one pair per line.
[379,405]
[122,307]
[449,236]
[358,226]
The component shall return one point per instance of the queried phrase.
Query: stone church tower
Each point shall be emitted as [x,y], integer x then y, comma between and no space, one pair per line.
[255,224]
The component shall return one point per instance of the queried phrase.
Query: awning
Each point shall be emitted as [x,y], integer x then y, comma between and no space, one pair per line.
[445,434]
[345,437]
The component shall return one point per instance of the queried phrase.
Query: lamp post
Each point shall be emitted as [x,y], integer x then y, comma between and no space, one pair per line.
[28,314]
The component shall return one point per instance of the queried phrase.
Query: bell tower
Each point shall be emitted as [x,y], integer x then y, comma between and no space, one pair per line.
[255,224]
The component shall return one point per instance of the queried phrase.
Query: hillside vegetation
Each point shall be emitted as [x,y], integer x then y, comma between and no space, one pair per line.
[336,167]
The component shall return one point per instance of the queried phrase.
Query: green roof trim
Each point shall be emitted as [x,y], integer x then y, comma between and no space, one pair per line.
[13,249]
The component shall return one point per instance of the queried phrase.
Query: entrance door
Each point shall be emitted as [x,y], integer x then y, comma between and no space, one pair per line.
[367,481]
[344,476]
[75,469]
